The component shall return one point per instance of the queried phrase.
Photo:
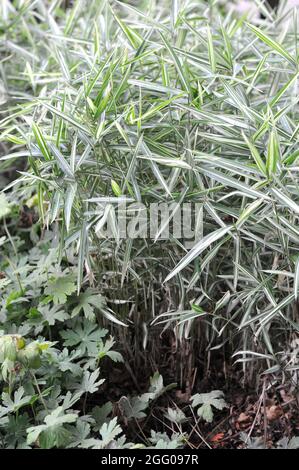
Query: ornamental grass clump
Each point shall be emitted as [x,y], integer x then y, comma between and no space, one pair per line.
[108,103]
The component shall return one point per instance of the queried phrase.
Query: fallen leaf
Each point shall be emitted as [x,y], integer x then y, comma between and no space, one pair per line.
[243,418]
[243,421]
[274,412]
[218,437]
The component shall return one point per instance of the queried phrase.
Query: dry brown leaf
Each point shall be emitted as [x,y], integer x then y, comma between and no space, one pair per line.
[274,412]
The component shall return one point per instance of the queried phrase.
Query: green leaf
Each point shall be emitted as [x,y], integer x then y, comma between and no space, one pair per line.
[275,46]
[296,279]
[156,388]
[13,405]
[61,161]
[60,288]
[285,200]
[116,188]
[175,415]
[234,183]
[100,415]
[282,91]
[248,211]
[41,142]
[69,201]
[177,63]
[256,156]
[105,350]
[67,118]
[52,314]
[133,408]
[109,431]
[52,433]
[197,249]
[161,440]
[86,337]
[88,301]
[206,402]
[90,382]
[83,239]
[4,206]
[211,52]
[293,443]
[273,153]
[154,110]
[133,37]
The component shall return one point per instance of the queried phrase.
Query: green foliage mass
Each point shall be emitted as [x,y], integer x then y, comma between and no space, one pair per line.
[165,102]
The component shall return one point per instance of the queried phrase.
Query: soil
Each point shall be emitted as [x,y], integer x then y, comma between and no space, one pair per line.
[256,417]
